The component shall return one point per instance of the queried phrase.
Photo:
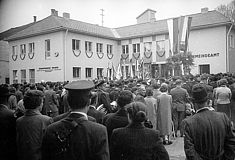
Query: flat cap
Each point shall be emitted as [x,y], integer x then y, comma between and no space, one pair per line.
[80,85]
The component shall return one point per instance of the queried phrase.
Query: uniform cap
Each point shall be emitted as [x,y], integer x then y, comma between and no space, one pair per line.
[80,85]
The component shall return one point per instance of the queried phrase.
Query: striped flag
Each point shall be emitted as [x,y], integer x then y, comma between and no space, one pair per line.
[173,29]
[130,69]
[119,72]
[184,29]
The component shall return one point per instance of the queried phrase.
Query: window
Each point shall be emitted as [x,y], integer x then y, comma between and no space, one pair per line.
[15,78]
[204,69]
[75,44]
[14,50]
[88,46]
[136,48]
[76,72]
[125,49]
[109,48]
[23,49]
[31,75]
[23,75]
[100,73]
[47,49]
[231,41]
[147,46]
[99,47]
[88,72]
[31,47]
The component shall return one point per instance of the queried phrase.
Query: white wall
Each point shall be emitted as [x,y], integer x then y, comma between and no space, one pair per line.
[83,61]
[207,41]
[56,42]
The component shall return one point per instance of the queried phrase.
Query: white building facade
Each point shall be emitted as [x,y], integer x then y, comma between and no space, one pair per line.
[60,49]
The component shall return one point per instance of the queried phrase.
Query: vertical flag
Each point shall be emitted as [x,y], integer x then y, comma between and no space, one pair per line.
[137,68]
[124,69]
[119,72]
[187,33]
[108,72]
[130,69]
[170,30]
[175,35]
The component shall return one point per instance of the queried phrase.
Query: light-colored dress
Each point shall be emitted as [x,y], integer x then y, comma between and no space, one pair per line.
[164,117]
[151,110]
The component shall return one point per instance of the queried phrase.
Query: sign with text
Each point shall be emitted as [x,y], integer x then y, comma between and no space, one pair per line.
[207,55]
[48,69]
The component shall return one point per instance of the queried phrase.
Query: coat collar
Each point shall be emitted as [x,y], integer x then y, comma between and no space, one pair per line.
[136,125]
[32,112]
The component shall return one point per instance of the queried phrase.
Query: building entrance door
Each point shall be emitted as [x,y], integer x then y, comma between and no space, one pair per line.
[204,69]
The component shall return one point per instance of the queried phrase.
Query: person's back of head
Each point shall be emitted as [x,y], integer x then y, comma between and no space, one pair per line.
[156,86]
[33,99]
[199,94]
[164,87]
[137,112]
[149,91]
[79,93]
[4,94]
[125,97]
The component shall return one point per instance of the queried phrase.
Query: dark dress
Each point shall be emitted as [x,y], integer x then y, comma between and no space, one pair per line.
[136,142]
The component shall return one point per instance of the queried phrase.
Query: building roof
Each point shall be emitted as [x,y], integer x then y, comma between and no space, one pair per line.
[13,31]
[56,23]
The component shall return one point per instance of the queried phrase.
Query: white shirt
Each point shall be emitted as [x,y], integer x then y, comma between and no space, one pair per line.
[82,113]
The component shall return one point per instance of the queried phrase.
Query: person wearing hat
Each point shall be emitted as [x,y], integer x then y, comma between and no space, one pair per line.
[179,99]
[75,137]
[208,134]
[103,97]
[223,96]
[31,126]
[7,124]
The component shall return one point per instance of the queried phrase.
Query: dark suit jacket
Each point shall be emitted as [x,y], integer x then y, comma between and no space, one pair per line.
[88,141]
[209,134]
[179,98]
[7,134]
[103,98]
[116,120]
[98,115]
[137,142]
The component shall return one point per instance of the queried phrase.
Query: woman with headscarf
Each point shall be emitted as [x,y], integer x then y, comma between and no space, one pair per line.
[135,141]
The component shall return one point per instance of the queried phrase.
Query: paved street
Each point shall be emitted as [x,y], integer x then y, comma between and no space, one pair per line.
[176,150]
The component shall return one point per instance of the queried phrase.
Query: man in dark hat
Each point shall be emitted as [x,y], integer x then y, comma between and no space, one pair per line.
[208,134]
[103,97]
[74,137]
[7,124]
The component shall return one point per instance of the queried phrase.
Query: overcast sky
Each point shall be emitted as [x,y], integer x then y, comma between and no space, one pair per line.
[117,13]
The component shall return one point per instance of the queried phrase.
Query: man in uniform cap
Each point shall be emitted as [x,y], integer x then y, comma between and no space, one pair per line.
[74,137]
[208,134]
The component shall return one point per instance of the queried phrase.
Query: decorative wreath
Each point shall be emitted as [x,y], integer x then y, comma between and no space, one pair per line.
[148,54]
[22,56]
[124,56]
[14,57]
[136,55]
[89,54]
[56,54]
[100,55]
[161,53]
[76,53]
[31,55]
[110,55]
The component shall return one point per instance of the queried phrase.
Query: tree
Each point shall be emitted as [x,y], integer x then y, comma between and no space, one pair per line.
[228,10]
[176,61]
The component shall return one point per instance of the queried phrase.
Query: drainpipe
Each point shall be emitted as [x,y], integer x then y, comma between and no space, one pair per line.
[227,49]
[64,58]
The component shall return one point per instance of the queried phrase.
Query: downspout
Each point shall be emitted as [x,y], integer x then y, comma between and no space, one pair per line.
[227,49]
[64,58]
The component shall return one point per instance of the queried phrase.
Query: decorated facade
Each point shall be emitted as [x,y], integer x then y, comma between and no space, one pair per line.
[61,49]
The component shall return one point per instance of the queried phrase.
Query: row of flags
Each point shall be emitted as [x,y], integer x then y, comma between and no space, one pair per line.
[123,70]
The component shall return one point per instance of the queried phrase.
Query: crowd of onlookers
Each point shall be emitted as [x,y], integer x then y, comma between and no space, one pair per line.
[162,105]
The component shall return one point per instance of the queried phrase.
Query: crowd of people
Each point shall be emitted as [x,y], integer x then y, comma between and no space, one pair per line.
[122,119]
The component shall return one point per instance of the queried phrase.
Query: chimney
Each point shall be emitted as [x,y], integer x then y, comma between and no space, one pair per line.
[66,15]
[34,18]
[54,12]
[204,10]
